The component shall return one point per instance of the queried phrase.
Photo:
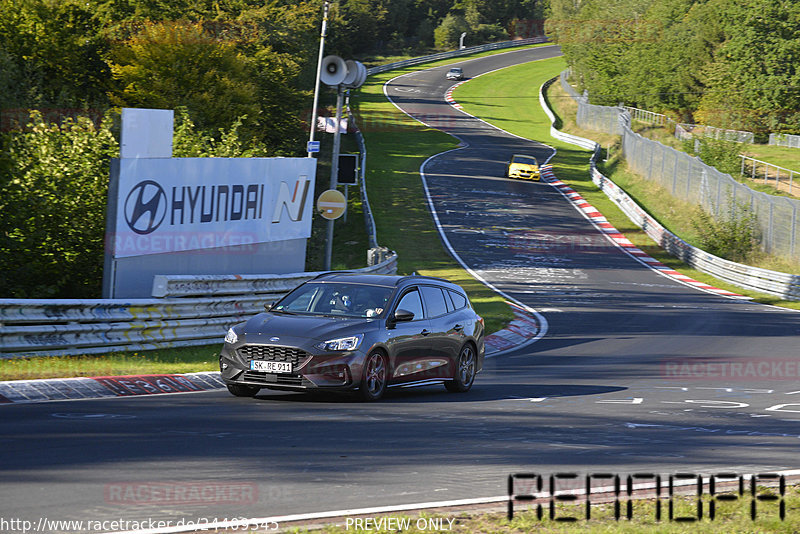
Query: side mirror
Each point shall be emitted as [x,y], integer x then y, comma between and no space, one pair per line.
[402,316]
[268,306]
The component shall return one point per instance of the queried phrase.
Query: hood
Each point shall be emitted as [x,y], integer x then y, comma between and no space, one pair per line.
[293,329]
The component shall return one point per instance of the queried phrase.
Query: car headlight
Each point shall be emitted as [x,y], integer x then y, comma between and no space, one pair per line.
[231,337]
[340,344]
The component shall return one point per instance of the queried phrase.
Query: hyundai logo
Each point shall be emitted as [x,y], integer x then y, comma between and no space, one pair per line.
[274,338]
[145,207]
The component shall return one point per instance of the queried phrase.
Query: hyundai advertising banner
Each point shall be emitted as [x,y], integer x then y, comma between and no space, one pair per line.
[167,205]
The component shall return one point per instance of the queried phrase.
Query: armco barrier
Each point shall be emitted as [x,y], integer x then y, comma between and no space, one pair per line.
[63,327]
[455,53]
[582,142]
[783,285]
[372,233]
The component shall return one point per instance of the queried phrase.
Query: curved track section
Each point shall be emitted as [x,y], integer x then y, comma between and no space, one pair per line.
[622,382]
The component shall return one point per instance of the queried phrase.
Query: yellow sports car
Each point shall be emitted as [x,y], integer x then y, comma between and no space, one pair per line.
[525,167]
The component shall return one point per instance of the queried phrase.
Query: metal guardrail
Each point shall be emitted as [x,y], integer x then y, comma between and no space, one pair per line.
[784,285]
[372,233]
[64,327]
[569,138]
[770,172]
[650,117]
[455,53]
[787,140]
[689,178]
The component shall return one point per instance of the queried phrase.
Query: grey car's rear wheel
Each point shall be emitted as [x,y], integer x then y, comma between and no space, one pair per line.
[465,371]
[242,390]
[374,377]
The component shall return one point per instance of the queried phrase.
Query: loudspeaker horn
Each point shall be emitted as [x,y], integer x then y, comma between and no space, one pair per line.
[352,72]
[360,75]
[334,70]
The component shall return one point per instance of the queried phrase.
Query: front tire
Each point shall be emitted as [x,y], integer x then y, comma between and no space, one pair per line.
[465,371]
[242,390]
[374,377]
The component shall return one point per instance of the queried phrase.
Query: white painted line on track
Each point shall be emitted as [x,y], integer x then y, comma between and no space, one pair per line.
[542,321]
[411,507]
[589,211]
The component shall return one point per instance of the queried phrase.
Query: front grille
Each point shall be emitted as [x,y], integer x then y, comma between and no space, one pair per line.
[274,353]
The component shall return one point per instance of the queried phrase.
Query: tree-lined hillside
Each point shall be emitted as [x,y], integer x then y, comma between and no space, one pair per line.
[728,63]
[219,59]
[239,72]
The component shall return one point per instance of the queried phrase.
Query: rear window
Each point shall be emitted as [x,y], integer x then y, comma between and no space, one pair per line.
[434,301]
[459,300]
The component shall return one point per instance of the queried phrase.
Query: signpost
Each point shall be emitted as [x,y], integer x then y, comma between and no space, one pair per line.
[331,204]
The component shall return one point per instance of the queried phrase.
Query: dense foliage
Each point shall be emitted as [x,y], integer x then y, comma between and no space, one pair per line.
[726,63]
[53,199]
[239,72]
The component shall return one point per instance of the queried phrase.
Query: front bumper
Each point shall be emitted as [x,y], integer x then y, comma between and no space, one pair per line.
[335,371]
[524,174]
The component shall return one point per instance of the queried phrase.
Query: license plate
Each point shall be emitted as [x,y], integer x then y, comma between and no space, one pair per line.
[271,367]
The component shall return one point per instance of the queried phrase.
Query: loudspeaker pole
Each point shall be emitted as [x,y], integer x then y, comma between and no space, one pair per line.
[322,35]
[334,171]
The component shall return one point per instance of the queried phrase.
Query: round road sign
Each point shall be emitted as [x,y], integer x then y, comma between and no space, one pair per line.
[331,204]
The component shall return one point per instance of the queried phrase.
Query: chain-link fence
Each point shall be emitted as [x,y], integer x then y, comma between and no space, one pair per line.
[737,136]
[791,141]
[688,178]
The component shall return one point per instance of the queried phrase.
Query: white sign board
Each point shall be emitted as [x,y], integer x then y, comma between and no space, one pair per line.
[181,204]
[146,133]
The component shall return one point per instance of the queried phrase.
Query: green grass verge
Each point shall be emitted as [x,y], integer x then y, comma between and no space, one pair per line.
[397,146]
[782,156]
[730,517]
[159,361]
[513,105]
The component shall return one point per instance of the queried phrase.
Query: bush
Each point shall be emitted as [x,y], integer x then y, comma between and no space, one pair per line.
[53,191]
[733,237]
[174,64]
[53,186]
[719,153]
[447,35]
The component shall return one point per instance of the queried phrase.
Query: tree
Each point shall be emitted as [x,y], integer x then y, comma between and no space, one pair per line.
[53,185]
[172,64]
[448,33]
[51,55]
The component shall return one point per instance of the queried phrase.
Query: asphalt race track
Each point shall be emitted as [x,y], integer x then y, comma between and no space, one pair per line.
[606,390]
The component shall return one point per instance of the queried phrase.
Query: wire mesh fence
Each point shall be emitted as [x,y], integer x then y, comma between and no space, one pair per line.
[685,131]
[688,178]
[791,141]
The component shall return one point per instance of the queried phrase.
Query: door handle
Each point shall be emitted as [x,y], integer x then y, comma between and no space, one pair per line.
[425,332]
[458,328]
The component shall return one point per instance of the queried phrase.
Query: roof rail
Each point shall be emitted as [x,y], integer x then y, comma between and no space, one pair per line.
[326,273]
[424,277]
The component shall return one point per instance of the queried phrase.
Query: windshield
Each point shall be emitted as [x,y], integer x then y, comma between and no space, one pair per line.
[525,160]
[455,71]
[340,299]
